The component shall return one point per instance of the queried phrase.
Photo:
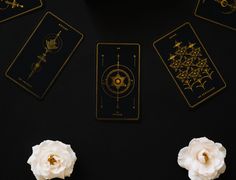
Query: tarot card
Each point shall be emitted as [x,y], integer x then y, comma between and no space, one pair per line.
[118,81]
[44,55]
[221,12]
[189,64]
[12,8]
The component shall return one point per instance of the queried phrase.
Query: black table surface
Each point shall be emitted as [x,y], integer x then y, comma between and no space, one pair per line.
[141,150]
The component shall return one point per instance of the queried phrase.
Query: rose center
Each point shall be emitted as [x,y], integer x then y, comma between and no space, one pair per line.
[52,160]
[203,157]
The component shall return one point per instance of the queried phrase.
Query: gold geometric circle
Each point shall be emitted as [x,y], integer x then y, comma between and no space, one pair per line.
[117,86]
[118,81]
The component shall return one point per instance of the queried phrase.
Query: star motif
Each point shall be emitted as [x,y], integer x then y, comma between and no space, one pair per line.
[118,81]
[188,62]
[176,65]
[196,52]
[202,63]
[181,51]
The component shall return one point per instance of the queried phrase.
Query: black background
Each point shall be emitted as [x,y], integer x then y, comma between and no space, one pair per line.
[115,150]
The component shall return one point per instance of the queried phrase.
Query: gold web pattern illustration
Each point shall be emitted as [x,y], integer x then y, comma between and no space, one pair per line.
[190,66]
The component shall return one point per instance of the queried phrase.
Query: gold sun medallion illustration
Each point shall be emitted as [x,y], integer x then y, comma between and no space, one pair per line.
[118,81]
[191,68]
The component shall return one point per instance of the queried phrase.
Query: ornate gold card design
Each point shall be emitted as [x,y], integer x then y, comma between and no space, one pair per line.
[191,67]
[117,81]
[44,55]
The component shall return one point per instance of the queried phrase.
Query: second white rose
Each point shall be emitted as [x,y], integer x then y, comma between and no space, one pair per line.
[203,159]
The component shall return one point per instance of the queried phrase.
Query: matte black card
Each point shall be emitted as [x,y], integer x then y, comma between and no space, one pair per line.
[44,55]
[117,81]
[222,12]
[12,8]
[189,64]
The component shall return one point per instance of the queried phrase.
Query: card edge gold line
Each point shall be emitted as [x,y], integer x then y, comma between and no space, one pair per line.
[120,43]
[25,12]
[180,90]
[217,70]
[209,97]
[161,38]
[70,55]
[139,79]
[62,67]
[111,119]
[196,34]
[189,104]
[117,119]
[209,20]
[8,69]
[32,34]
[26,89]
[76,30]
[96,81]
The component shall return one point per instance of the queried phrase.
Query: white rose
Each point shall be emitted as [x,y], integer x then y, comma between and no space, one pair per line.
[52,159]
[203,158]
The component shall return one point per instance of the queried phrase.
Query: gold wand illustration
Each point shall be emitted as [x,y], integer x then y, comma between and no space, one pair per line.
[13,4]
[51,45]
